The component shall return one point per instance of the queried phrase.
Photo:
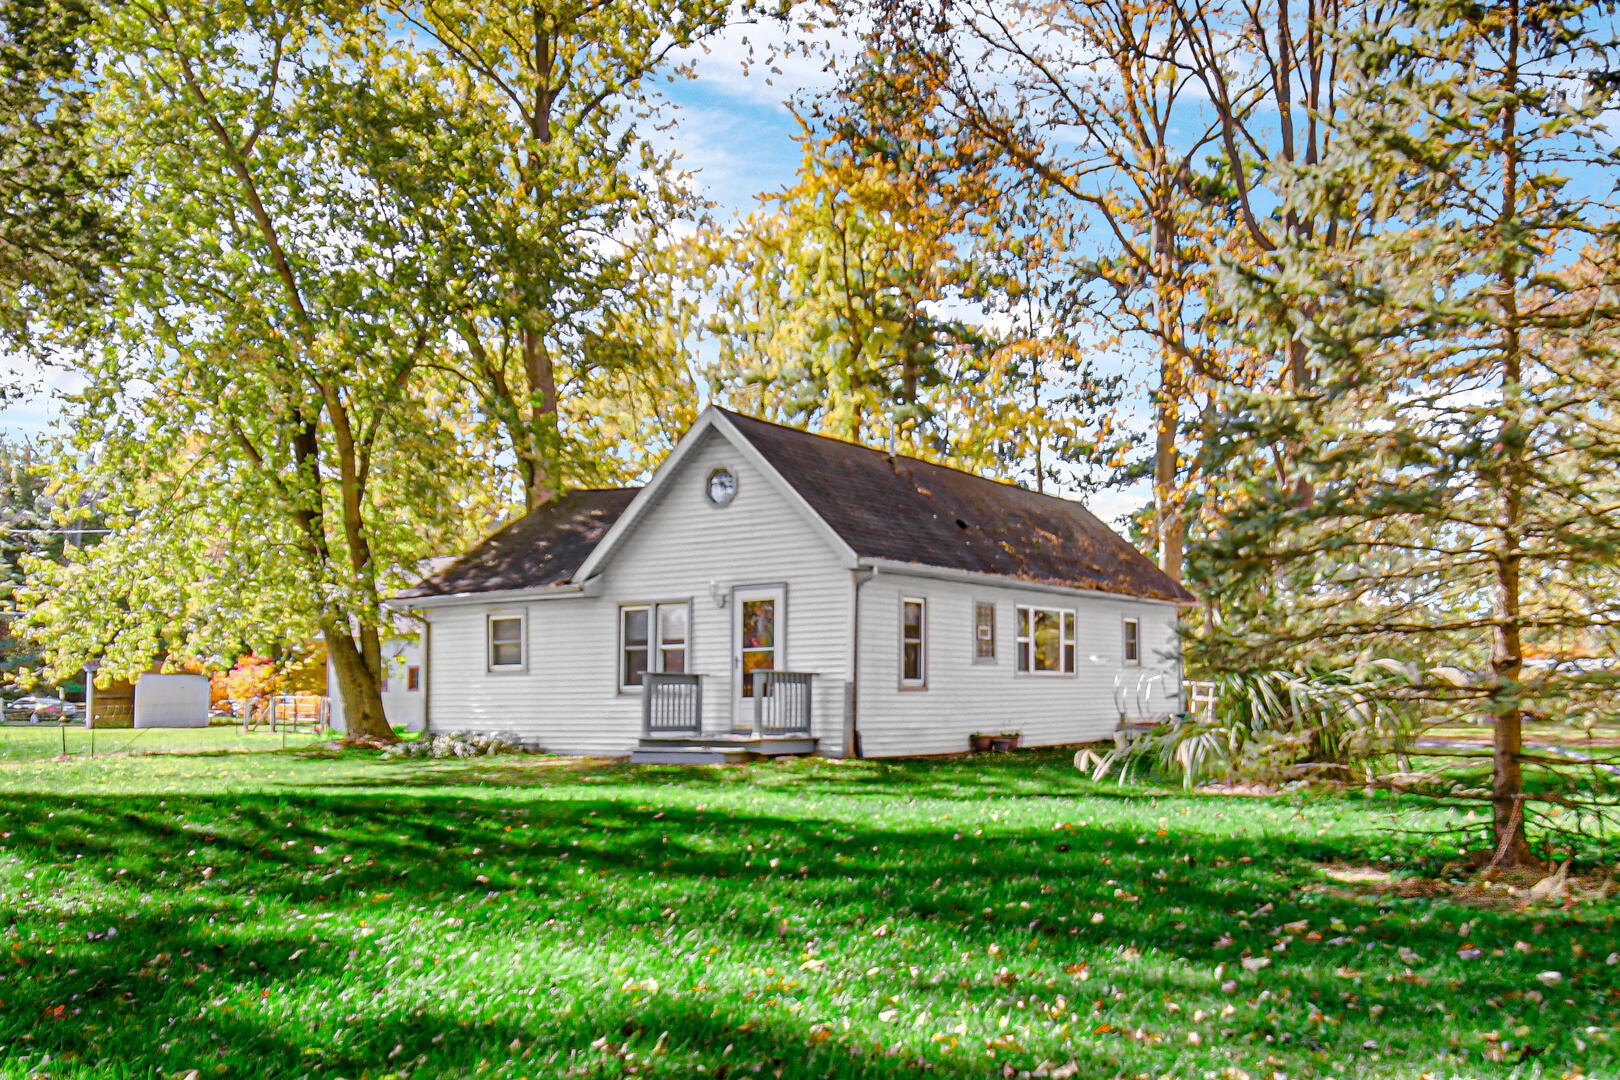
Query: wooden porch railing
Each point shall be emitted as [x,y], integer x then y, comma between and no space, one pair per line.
[671,704]
[781,702]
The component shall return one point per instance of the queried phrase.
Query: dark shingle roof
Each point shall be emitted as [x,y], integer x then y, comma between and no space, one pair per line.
[911,511]
[544,547]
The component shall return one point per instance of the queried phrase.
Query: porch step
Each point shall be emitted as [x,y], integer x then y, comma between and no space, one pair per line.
[715,749]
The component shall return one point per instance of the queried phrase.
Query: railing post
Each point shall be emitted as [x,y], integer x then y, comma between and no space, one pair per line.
[647,694]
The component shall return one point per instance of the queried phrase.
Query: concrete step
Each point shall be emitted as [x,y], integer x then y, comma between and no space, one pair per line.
[716,749]
[691,754]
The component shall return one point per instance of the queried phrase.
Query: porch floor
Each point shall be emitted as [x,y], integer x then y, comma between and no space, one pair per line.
[718,748]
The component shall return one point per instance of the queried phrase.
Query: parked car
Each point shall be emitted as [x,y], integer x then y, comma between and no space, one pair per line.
[36,709]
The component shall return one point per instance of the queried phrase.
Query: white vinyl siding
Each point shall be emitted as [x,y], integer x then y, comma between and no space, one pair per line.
[964,697]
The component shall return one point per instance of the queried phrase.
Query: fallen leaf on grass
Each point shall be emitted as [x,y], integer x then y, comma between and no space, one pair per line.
[1255,963]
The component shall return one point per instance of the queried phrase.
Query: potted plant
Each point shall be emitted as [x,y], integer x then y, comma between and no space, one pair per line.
[1003,740]
[979,742]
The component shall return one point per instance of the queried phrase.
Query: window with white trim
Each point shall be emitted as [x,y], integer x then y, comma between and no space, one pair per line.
[984,632]
[1045,641]
[505,642]
[1133,642]
[652,637]
[913,619]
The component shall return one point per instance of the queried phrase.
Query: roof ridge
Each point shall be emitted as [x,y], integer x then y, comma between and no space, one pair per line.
[904,457]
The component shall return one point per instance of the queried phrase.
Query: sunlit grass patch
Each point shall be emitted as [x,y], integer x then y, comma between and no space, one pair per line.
[330,914]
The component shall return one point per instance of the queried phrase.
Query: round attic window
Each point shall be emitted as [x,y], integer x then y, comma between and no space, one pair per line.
[721,487]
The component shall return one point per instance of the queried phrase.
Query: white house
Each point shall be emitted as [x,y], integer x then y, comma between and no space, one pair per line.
[776,591]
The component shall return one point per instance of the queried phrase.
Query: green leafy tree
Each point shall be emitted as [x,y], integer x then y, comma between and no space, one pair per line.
[275,452]
[32,526]
[1459,432]
[54,236]
[548,204]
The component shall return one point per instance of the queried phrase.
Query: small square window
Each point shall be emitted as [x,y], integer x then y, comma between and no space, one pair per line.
[505,642]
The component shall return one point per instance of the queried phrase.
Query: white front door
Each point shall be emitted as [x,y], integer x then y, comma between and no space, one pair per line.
[757,644]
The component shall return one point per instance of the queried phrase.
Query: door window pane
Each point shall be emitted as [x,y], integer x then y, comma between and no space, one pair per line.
[754,660]
[758,640]
[759,624]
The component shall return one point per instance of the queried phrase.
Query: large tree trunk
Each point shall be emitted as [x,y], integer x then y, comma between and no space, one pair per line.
[359,688]
[1507,647]
[540,480]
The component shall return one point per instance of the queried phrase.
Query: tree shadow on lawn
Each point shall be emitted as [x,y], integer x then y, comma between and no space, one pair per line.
[597,870]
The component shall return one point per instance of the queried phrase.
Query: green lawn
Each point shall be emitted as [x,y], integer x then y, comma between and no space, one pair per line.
[316,914]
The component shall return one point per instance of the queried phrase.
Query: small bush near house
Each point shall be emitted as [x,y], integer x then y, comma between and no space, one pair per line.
[459,744]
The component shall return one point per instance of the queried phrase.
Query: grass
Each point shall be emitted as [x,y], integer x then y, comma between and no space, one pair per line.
[323,914]
[23,741]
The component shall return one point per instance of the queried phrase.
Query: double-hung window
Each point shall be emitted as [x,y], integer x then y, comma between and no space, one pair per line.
[652,637]
[506,643]
[1133,642]
[913,618]
[1045,642]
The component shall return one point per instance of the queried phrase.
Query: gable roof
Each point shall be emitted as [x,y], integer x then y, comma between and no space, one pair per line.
[906,510]
[543,547]
[869,505]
